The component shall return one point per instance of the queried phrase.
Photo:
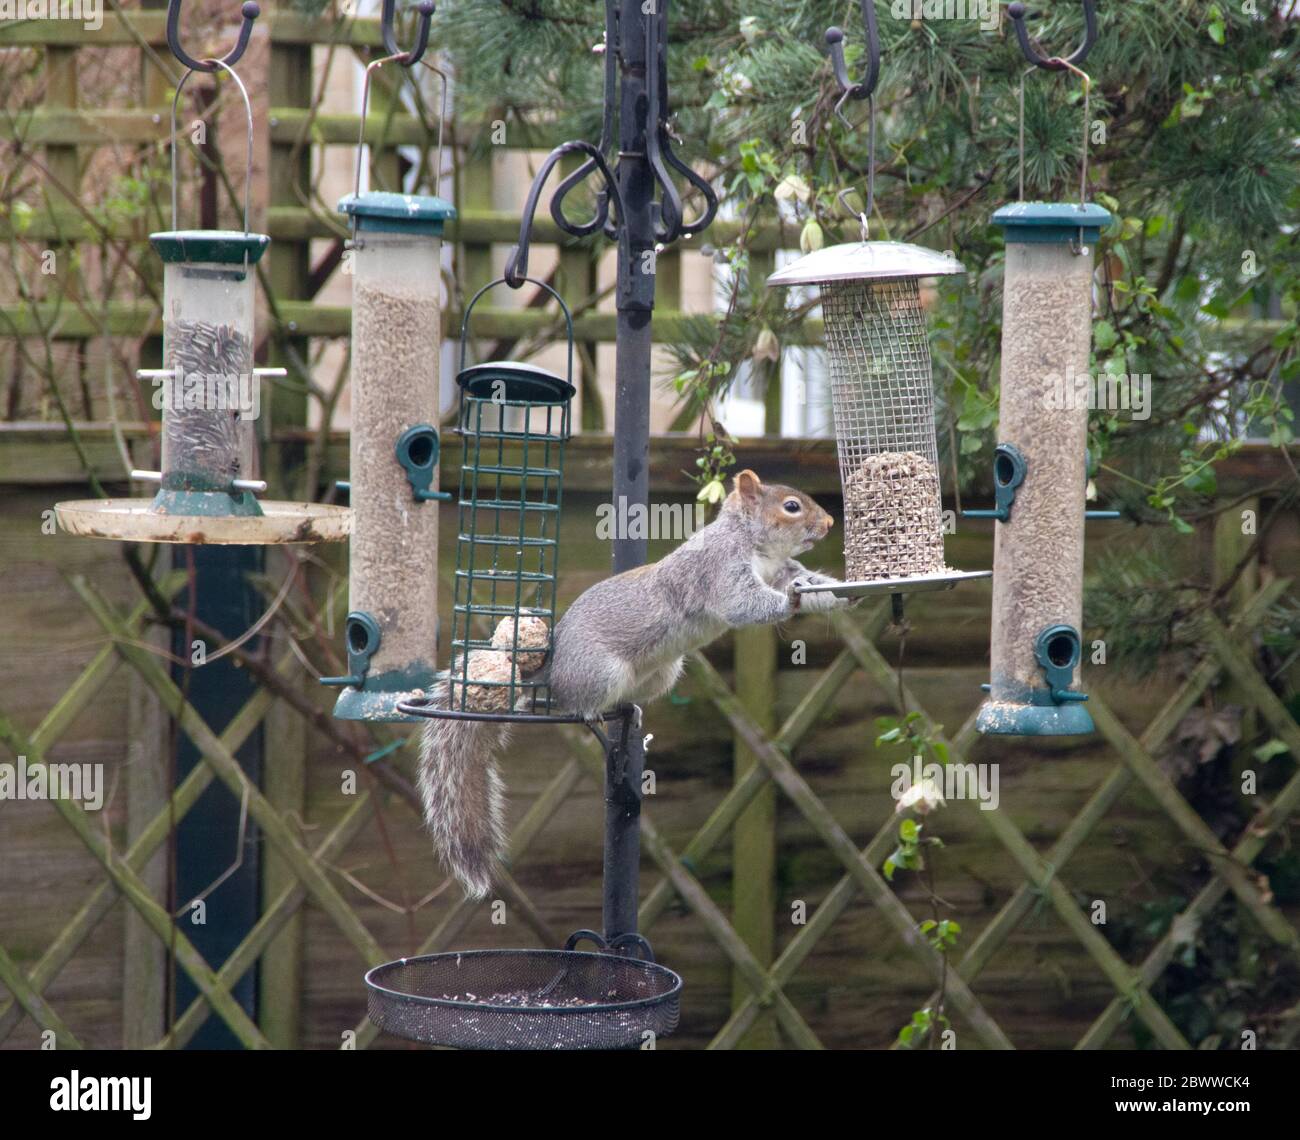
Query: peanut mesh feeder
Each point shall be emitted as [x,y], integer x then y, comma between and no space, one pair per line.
[882,402]
[208,392]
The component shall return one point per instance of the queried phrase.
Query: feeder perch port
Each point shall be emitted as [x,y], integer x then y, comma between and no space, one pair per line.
[1038,547]
[882,399]
[393,456]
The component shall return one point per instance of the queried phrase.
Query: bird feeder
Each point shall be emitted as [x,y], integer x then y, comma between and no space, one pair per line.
[1040,471]
[882,401]
[395,255]
[208,391]
[393,456]
[1040,463]
[513,426]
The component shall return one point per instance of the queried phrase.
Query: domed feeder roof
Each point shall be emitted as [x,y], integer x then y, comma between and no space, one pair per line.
[522,383]
[867,261]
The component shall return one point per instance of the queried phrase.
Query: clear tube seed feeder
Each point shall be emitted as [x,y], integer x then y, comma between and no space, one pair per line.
[1040,464]
[1040,471]
[391,628]
[208,391]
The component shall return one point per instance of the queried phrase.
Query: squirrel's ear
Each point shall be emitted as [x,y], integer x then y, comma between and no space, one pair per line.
[747,483]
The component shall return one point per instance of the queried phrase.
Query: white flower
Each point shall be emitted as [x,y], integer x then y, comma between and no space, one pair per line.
[792,186]
[811,237]
[712,492]
[921,798]
[766,346]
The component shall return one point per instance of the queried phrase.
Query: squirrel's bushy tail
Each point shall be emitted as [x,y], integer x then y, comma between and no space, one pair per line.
[464,798]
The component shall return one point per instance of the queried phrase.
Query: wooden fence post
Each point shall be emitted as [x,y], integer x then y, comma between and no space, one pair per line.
[289,84]
[1231,545]
[753,845]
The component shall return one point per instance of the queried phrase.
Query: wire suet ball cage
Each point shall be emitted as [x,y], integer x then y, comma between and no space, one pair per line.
[513,425]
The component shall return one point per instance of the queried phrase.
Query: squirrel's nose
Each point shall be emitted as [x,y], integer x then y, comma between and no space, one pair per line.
[830,522]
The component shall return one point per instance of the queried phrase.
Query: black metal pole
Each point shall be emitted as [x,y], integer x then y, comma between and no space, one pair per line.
[635,301]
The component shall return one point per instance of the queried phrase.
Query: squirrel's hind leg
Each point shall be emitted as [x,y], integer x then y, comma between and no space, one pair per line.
[655,684]
[598,682]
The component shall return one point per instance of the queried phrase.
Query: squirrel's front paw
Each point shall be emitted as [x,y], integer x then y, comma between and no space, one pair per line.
[816,600]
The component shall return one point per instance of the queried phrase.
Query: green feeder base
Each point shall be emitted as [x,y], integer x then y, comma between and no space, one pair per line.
[1007,718]
[374,703]
[207,504]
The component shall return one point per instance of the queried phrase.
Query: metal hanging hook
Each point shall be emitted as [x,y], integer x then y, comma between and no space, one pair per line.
[1016,11]
[516,270]
[864,90]
[217,64]
[386,18]
[835,42]
[250,11]
[1070,63]
[600,219]
[371,68]
[670,222]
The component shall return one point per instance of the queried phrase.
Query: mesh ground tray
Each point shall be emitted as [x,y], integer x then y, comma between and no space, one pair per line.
[525,999]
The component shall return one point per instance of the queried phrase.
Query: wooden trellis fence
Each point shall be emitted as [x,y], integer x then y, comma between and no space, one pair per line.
[1044,874]
[60,128]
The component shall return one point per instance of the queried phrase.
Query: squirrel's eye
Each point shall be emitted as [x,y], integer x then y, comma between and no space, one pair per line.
[792,506]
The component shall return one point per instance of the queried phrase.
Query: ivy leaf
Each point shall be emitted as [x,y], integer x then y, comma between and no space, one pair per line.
[1203,482]
[1266,752]
[1104,336]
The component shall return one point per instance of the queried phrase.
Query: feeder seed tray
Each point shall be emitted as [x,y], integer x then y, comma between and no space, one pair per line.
[911,584]
[137,520]
[524,999]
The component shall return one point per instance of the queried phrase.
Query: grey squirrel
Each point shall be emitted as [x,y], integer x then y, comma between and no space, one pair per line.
[622,641]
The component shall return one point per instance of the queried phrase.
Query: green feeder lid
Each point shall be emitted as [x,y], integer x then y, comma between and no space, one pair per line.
[218,247]
[1042,223]
[523,383]
[387,212]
